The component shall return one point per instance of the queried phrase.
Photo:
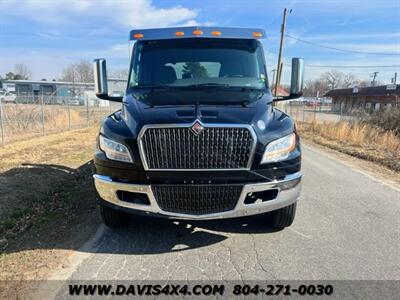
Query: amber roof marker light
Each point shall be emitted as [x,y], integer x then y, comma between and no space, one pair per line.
[197,32]
[216,33]
[138,35]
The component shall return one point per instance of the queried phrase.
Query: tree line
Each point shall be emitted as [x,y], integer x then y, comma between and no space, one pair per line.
[76,72]
[20,72]
[83,72]
[333,80]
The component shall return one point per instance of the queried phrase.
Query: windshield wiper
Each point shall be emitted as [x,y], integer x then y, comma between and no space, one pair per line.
[251,88]
[223,86]
[206,85]
[200,86]
[151,86]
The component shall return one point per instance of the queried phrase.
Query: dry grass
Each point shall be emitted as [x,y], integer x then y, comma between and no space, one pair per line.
[67,148]
[358,139]
[23,121]
[46,184]
[30,170]
[388,119]
[20,118]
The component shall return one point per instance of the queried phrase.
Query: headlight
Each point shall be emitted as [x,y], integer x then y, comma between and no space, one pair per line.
[114,150]
[279,149]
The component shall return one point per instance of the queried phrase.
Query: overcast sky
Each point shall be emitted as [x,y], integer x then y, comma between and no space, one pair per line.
[48,35]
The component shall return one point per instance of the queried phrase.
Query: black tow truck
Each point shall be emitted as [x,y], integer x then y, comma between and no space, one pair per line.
[198,136]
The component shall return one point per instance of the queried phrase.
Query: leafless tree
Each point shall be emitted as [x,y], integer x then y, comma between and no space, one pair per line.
[314,87]
[119,74]
[349,80]
[336,79]
[333,79]
[78,72]
[363,83]
[22,70]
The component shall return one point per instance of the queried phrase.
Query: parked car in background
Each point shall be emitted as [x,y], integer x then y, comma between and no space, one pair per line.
[313,103]
[73,101]
[8,97]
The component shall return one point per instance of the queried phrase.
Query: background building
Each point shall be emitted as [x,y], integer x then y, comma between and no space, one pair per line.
[60,92]
[368,99]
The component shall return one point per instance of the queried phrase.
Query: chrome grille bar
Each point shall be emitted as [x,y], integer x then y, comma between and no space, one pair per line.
[217,147]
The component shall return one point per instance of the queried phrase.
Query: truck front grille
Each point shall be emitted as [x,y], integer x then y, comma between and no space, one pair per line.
[180,148]
[197,199]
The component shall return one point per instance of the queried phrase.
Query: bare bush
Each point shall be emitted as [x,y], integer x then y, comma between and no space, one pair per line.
[79,72]
[24,121]
[356,138]
[22,71]
[21,118]
[388,119]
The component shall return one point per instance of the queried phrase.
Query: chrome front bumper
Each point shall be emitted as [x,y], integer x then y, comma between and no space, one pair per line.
[288,193]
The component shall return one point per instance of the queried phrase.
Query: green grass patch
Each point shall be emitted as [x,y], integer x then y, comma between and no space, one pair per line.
[48,208]
[15,216]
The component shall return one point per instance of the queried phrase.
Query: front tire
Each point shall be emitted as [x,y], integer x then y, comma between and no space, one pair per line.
[282,217]
[111,217]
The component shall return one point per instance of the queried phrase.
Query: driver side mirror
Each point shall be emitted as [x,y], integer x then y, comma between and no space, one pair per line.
[296,82]
[100,81]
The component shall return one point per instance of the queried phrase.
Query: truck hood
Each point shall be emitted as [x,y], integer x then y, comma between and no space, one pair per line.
[269,123]
[186,107]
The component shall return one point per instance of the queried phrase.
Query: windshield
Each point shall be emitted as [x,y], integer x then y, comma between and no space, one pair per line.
[194,63]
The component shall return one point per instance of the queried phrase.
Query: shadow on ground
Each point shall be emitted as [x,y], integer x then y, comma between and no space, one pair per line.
[46,206]
[65,215]
[148,235]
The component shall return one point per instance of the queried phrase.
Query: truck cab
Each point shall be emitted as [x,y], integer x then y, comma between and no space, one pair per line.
[198,136]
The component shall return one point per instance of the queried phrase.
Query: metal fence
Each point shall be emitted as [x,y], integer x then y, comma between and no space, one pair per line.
[315,112]
[34,115]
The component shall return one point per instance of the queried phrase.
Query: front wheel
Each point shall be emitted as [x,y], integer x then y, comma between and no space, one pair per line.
[282,217]
[111,217]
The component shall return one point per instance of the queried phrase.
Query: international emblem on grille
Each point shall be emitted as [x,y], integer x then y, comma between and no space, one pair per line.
[197,128]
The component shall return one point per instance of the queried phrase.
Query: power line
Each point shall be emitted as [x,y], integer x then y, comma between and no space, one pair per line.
[347,66]
[339,49]
[353,67]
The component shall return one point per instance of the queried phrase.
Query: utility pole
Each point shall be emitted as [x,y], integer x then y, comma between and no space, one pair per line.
[273,75]
[280,72]
[373,75]
[394,80]
[279,65]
